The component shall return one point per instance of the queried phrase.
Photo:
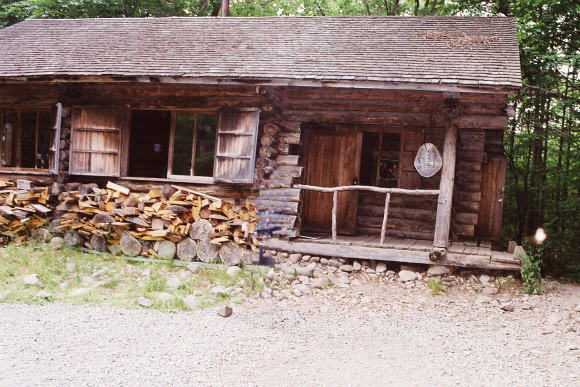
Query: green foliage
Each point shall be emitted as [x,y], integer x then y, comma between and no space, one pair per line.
[530,269]
[436,286]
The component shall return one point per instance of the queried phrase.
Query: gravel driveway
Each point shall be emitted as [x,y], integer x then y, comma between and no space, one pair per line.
[346,338]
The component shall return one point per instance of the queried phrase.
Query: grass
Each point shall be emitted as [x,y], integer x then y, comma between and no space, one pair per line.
[436,286]
[112,280]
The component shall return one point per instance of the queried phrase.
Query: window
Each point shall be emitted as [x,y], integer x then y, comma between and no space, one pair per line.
[25,139]
[380,159]
[193,145]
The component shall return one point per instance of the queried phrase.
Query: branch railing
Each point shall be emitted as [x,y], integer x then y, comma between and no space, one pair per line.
[386,191]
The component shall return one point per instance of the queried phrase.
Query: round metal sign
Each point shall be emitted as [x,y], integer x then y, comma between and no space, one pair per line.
[428,160]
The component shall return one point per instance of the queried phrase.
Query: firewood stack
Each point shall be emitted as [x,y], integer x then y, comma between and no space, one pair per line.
[161,223]
[22,210]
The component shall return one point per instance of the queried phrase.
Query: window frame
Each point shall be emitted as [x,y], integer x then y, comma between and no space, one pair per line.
[381,131]
[18,139]
[170,151]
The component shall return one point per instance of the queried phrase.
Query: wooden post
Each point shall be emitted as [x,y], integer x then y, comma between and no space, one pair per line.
[385,218]
[56,144]
[225,8]
[443,219]
[334,206]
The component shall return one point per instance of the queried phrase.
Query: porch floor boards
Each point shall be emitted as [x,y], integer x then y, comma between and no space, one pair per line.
[465,254]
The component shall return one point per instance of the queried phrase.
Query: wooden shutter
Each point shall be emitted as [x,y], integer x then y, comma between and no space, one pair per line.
[54,158]
[236,146]
[96,141]
[411,140]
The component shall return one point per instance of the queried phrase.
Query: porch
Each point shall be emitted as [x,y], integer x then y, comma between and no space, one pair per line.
[476,254]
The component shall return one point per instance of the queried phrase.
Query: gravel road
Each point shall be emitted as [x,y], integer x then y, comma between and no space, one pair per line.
[348,338]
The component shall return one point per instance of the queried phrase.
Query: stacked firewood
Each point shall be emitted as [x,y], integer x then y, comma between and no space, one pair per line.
[161,222]
[22,210]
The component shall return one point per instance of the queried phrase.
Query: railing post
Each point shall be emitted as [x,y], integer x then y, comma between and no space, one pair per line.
[334,206]
[385,218]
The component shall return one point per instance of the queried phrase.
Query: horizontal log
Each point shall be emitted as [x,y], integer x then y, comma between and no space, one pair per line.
[287,171]
[287,159]
[290,194]
[289,138]
[277,205]
[368,188]
[399,213]
[466,218]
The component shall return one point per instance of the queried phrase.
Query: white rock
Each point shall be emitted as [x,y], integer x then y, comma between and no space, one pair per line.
[174,283]
[271,274]
[144,302]
[380,268]
[304,279]
[437,270]
[71,267]
[32,280]
[301,289]
[295,258]
[406,275]
[164,297]
[418,276]
[80,292]
[347,268]
[87,280]
[191,302]
[306,270]
[220,290]
[319,283]
[193,267]
[333,262]
[484,278]
[356,266]
[507,306]
[63,285]
[306,258]
[146,273]
[489,291]
[44,294]
[233,271]
[577,308]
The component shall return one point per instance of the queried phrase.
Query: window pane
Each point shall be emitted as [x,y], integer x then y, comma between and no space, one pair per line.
[205,145]
[389,164]
[9,128]
[27,139]
[370,152]
[182,143]
[44,139]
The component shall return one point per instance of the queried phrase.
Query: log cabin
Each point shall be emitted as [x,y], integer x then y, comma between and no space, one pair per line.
[357,137]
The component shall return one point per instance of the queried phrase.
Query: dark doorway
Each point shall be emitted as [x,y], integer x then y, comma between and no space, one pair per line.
[149,143]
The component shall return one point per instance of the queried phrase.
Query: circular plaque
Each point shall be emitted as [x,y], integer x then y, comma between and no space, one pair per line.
[428,160]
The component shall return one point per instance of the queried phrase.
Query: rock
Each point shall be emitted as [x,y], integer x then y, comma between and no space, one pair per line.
[306,270]
[381,267]
[225,311]
[412,268]
[98,242]
[305,258]
[144,302]
[437,270]
[484,278]
[44,294]
[194,267]
[230,254]
[324,261]
[32,280]
[71,267]
[40,235]
[164,297]
[347,268]
[511,246]
[191,302]
[146,273]
[187,249]
[489,291]
[72,238]
[56,243]
[319,283]
[233,271]
[206,251]
[406,275]
[174,283]
[87,281]
[115,249]
[507,306]
[80,292]
[333,262]
[130,245]
[356,266]
[295,258]
[201,230]
[166,250]
[300,290]
[577,308]
[220,290]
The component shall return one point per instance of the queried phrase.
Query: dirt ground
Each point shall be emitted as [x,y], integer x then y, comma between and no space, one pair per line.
[363,335]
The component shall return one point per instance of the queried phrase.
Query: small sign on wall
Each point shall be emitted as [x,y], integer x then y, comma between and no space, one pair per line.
[428,160]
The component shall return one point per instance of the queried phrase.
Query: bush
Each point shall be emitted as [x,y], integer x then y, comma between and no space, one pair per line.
[530,269]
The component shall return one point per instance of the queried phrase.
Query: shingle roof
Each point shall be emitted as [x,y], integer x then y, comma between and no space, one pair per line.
[435,50]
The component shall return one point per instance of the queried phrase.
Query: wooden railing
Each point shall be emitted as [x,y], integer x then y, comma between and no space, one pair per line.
[387,191]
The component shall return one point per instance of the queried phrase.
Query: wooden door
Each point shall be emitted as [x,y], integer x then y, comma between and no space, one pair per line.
[333,159]
[491,206]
